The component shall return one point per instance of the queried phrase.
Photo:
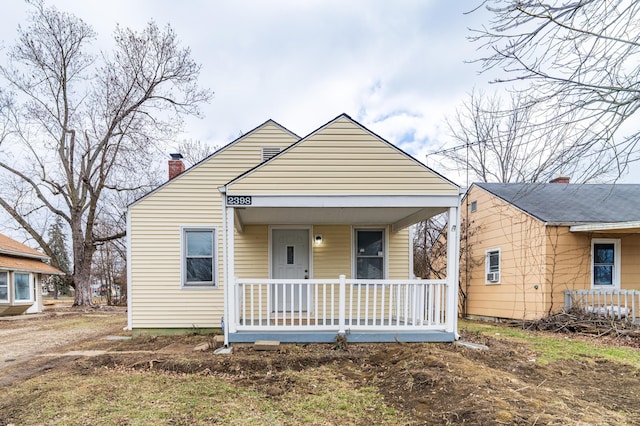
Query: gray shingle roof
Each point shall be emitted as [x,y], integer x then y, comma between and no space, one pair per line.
[571,203]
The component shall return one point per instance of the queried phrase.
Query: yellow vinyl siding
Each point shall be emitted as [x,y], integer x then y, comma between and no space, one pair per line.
[342,159]
[399,255]
[339,159]
[333,257]
[551,257]
[191,199]
[521,240]
[251,252]
[568,264]
[630,247]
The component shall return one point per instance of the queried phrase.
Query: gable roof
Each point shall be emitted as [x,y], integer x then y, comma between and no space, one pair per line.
[269,122]
[17,256]
[326,128]
[556,203]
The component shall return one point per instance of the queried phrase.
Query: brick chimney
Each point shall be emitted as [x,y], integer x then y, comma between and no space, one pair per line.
[560,179]
[176,166]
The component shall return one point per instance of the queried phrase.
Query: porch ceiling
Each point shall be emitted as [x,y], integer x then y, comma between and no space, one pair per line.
[399,217]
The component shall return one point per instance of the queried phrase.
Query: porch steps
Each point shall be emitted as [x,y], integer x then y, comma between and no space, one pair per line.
[266,345]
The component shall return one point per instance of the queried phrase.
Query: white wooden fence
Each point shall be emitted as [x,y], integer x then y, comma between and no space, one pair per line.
[609,303]
[339,305]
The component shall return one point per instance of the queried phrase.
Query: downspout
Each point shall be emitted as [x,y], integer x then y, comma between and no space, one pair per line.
[457,272]
[129,274]
[467,226]
[225,318]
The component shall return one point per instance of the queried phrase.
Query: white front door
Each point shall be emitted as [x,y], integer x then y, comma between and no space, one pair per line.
[290,260]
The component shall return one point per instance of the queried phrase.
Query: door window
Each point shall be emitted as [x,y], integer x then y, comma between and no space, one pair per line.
[606,263]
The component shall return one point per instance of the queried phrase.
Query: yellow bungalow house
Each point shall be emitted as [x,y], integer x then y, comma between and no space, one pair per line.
[21,272]
[293,239]
[535,249]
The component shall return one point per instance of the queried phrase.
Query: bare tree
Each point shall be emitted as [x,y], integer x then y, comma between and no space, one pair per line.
[194,151]
[499,142]
[430,253]
[578,63]
[430,248]
[81,125]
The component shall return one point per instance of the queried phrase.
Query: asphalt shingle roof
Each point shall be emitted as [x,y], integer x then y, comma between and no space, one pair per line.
[17,256]
[571,203]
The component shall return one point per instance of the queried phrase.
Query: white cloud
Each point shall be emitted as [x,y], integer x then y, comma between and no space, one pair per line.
[396,66]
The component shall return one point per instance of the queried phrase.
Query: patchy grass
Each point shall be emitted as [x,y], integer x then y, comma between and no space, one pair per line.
[524,378]
[556,347]
[109,396]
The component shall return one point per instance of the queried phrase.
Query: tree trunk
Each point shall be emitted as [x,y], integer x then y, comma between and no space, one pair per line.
[83,251]
[82,281]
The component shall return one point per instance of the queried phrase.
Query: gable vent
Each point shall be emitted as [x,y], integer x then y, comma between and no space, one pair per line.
[270,151]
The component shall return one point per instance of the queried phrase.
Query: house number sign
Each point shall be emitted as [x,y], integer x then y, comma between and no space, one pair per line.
[239,200]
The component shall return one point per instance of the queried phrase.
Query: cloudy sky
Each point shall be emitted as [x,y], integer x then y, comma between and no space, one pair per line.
[398,67]
[395,66]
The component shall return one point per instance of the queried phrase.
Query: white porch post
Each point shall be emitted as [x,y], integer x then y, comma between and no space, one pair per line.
[453,247]
[342,311]
[231,326]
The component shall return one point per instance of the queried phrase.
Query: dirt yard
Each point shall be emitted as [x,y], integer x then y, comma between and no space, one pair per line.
[427,383]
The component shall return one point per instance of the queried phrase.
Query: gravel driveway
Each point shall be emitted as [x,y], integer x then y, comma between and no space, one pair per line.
[27,336]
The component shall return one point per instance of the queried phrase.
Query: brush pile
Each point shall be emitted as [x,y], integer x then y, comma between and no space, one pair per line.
[586,323]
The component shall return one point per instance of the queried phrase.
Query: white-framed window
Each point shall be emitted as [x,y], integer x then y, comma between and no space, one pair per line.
[4,286]
[492,266]
[605,262]
[199,257]
[21,287]
[474,206]
[369,254]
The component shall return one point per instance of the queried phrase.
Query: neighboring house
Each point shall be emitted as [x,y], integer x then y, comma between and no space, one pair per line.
[293,239]
[21,272]
[531,242]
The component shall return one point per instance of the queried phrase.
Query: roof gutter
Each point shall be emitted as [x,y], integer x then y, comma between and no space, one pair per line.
[22,254]
[605,226]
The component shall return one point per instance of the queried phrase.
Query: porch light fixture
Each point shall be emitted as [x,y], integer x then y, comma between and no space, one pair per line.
[318,239]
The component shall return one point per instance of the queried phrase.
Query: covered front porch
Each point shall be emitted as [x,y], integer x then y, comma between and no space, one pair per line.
[327,297]
[361,310]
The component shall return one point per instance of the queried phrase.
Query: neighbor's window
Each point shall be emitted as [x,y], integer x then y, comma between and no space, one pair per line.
[474,206]
[606,262]
[199,257]
[4,286]
[492,266]
[370,254]
[21,287]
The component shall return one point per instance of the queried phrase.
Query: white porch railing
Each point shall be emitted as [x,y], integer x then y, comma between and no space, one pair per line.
[339,305]
[609,303]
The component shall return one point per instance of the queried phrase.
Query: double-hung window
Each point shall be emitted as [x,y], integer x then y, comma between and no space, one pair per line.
[4,286]
[492,266]
[370,254]
[21,288]
[605,262]
[199,257]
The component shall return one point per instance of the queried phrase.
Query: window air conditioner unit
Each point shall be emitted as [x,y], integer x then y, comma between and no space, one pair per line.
[493,277]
